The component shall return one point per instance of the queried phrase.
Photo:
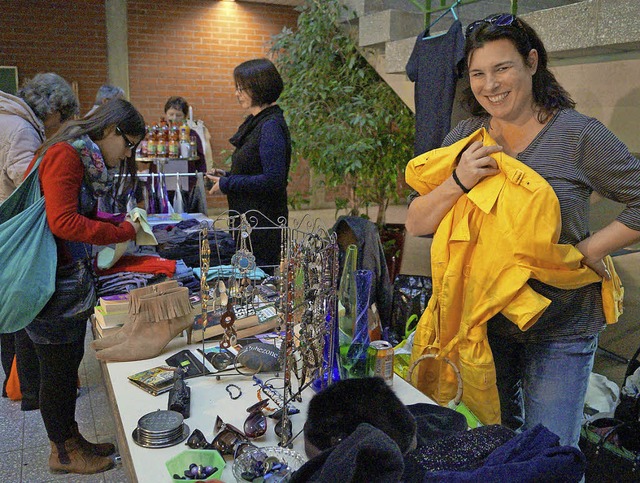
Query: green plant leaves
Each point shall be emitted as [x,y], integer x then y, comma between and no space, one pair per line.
[345,120]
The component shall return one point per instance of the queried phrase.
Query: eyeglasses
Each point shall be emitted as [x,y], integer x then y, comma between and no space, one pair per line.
[498,19]
[128,144]
[228,441]
[256,423]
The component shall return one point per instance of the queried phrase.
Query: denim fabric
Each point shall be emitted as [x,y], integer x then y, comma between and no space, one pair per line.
[544,383]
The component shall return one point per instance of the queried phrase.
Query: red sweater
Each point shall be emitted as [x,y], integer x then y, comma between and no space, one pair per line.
[61,172]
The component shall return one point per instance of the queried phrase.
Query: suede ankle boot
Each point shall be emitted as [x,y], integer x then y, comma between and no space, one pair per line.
[98,449]
[161,318]
[70,457]
[134,307]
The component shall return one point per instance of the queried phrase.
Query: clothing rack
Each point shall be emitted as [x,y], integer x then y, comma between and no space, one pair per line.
[164,174]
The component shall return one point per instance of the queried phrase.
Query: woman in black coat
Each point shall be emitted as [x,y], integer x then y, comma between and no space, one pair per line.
[259,170]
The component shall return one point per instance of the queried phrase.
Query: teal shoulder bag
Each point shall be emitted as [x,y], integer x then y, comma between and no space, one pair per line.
[28,253]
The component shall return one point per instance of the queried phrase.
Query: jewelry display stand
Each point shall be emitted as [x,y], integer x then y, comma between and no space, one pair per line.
[306,278]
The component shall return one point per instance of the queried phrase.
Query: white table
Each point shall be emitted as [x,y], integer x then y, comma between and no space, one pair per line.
[208,400]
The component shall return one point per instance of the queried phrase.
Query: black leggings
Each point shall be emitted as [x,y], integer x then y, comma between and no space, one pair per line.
[59,365]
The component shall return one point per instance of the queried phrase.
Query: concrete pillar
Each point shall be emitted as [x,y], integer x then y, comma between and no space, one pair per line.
[117,48]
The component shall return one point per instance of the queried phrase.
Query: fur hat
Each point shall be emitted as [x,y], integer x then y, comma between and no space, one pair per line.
[336,412]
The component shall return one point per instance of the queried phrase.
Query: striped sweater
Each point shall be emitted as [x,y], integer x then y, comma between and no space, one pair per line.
[577,155]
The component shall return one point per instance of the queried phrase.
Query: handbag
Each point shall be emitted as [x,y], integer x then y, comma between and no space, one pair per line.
[629,407]
[28,253]
[612,449]
[456,403]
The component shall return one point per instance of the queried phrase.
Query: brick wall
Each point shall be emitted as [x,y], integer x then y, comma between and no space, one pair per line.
[175,48]
[68,38]
[190,50]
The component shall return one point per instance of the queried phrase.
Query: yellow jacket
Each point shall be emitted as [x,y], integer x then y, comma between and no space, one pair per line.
[493,240]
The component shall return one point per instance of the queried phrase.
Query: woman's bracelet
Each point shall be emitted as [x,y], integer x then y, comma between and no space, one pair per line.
[459,183]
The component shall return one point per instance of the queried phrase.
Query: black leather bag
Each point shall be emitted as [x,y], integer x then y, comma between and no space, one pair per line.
[411,294]
[612,449]
[75,294]
[629,407]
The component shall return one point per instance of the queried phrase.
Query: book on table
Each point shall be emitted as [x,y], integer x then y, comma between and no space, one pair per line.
[100,331]
[111,304]
[155,381]
[108,320]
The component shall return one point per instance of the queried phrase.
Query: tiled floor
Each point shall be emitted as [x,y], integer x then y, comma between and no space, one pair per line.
[24,448]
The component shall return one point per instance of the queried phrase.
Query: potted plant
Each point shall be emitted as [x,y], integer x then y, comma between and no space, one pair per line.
[344,118]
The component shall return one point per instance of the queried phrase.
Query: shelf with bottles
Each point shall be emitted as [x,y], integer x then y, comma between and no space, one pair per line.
[167,140]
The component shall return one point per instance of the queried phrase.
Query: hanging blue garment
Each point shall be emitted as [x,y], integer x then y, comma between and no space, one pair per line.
[28,254]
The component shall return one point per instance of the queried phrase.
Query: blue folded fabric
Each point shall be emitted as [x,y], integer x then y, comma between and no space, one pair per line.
[227,271]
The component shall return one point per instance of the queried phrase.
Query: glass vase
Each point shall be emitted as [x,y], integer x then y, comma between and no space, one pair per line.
[347,296]
[356,357]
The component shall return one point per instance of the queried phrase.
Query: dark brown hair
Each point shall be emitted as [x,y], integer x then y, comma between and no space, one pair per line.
[179,103]
[548,94]
[260,79]
[114,113]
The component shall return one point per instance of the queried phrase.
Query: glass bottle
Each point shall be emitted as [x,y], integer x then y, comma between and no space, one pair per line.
[356,358]
[347,296]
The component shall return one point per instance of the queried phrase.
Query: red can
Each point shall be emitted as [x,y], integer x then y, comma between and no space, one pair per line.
[383,362]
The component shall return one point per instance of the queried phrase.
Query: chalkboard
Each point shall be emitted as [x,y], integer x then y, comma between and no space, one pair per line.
[9,79]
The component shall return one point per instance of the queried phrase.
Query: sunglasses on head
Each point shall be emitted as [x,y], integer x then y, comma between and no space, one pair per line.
[128,144]
[498,20]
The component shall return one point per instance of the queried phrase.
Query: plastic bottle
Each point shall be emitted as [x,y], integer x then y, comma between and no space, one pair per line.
[173,147]
[185,138]
[152,142]
[143,152]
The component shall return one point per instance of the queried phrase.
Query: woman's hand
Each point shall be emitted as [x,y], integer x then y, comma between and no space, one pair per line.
[216,183]
[476,163]
[136,224]
[594,263]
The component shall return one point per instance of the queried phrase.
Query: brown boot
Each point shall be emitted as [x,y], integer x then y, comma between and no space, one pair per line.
[98,449]
[161,318]
[134,307]
[70,457]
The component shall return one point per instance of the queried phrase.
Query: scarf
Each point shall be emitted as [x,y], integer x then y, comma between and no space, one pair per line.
[249,123]
[96,173]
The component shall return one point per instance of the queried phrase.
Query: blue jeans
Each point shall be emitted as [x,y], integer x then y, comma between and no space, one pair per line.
[544,382]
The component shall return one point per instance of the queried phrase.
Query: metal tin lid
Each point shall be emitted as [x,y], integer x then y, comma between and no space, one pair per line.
[160,429]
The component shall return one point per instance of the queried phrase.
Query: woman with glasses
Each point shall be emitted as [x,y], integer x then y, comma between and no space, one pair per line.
[74,172]
[542,372]
[260,163]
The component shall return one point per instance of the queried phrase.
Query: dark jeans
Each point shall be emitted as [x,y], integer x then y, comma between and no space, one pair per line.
[20,345]
[59,365]
[7,351]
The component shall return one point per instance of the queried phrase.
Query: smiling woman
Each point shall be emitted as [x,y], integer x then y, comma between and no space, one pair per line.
[525,120]
[73,174]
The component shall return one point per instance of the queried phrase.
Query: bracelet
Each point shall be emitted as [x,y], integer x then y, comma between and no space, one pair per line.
[459,183]
[228,388]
